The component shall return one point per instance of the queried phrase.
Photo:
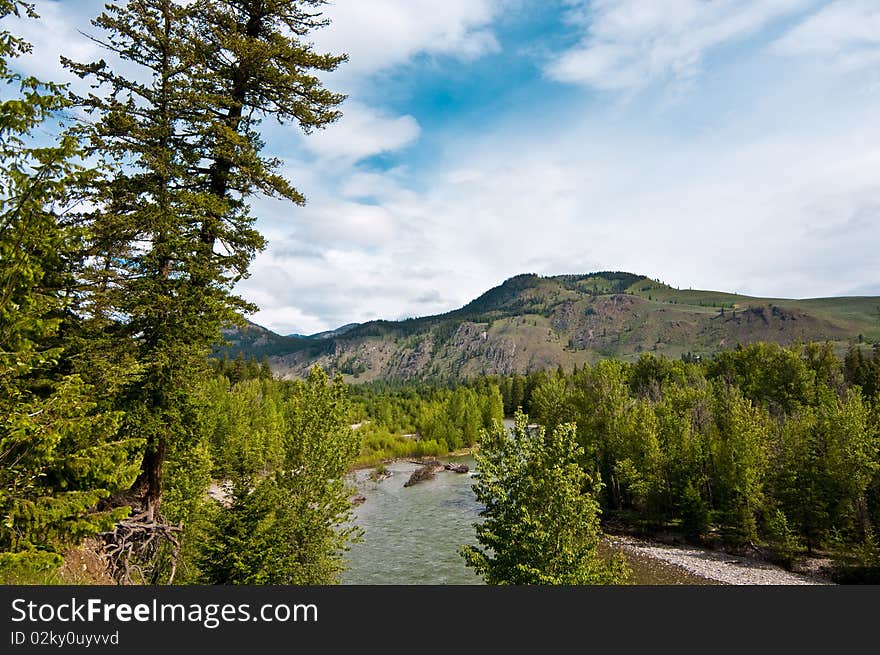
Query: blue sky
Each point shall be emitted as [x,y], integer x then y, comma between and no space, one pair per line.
[723,144]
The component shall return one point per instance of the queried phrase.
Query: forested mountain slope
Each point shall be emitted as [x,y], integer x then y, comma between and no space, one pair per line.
[531,322]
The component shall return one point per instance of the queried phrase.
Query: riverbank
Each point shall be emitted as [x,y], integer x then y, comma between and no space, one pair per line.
[717,566]
[368,463]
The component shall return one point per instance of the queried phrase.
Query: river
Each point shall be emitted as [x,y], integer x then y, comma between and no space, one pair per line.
[412,535]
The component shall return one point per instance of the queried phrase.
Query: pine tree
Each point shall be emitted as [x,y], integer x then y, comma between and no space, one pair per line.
[59,456]
[172,233]
[265,369]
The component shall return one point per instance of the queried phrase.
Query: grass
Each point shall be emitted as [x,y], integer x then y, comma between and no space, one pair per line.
[81,565]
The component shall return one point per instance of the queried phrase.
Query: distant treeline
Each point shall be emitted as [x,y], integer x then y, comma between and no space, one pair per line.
[238,368]
[435,419]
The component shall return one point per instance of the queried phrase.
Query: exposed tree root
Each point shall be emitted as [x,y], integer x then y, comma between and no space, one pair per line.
[136,549]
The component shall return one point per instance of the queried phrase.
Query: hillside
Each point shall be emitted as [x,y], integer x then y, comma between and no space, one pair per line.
[531,322]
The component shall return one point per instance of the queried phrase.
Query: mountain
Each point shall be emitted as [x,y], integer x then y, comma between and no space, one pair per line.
[531,322]
[327,334]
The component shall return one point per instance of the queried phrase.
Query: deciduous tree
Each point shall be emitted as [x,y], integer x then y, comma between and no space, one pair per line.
[541,511]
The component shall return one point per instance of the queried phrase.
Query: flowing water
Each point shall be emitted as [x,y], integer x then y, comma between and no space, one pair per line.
[412,534]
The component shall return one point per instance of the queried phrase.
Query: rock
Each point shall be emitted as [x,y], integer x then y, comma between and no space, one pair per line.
[423,473]
[428,468]
[221,492]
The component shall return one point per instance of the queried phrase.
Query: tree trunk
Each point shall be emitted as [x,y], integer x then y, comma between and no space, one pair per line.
[149,482]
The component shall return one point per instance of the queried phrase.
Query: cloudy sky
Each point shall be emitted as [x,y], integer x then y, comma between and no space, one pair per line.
[715,144]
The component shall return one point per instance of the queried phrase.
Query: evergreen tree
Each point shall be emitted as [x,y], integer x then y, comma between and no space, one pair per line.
[265,369]
[58,453]
[493,408]
[517,394]
[172,234]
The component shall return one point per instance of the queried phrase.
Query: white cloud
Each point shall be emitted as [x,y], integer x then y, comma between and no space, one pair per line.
[380,34]
[366,185]
[845,33]
[287,319]
[361,132]
[787,212]
[56,33]
[350,224]
[629,44]
[311,295]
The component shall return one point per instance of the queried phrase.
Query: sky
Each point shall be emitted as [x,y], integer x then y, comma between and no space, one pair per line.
[711,144]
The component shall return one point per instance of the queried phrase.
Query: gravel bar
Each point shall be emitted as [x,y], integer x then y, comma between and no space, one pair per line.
[714,565]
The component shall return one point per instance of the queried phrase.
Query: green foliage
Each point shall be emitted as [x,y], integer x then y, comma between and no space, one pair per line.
[60,455]
[767,374]
[761,444]
[436,419]
[541,512]
[829,456]
[739,451]
[378,445]
[694,512]
[243,425]
[782,538]
[517,390]
[273,534]
[291,526]
[863,371]
[239,369]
